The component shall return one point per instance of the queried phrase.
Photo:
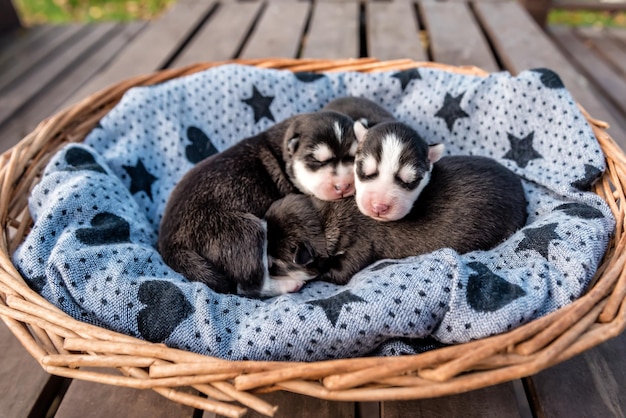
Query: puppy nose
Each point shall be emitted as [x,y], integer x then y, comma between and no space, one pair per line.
[343,188]
[380,208]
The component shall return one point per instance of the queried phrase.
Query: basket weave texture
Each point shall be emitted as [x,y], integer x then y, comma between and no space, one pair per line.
[62,345]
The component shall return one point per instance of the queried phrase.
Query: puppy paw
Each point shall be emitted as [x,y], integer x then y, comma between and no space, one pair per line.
[274,287]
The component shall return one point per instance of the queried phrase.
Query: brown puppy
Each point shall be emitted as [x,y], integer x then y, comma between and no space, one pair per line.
[211,229]
[470,203]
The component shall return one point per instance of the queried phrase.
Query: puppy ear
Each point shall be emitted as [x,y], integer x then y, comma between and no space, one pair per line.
[364,122]
[305,254]
[359,131]
[435,152]
[292,144]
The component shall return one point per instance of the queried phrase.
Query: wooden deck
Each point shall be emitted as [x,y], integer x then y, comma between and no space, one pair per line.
[46,68]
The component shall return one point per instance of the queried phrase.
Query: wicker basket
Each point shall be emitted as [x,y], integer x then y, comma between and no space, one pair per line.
[62,345]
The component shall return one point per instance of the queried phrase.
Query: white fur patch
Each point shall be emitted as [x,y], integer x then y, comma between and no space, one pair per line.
[344,173]
[338,132]
[320,183]
[353,148]
[407,173]
[323,153]
[369,165]
[390,157]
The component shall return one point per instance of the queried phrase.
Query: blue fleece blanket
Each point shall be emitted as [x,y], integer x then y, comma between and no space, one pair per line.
[97,209]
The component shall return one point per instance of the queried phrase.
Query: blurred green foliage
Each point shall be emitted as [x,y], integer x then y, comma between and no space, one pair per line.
[586,18]
[63,11]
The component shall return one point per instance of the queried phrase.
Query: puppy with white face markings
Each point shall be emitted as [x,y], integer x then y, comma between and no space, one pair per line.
[323,166]
[212,229]
[393,165]
[471,203]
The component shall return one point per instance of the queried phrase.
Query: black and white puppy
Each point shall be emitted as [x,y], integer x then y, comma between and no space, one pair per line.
[212,229]
[392,167]
[470,203]
[393,162]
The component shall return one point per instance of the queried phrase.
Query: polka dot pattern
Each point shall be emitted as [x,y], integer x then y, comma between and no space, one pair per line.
[98,205]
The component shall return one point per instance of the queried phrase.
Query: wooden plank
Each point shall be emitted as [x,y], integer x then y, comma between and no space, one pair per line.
[589,385]
[43,75]
[491,402]
[292,405]
[220,37]
[22,378]
[334,31]
[452,42]
[521,45]
[24,39]
[393,31]
[618,33]
[153,47]
[38,54]
[588,53]
[610,48]
[279,31]
[598,73]
[55,95]
[95,400]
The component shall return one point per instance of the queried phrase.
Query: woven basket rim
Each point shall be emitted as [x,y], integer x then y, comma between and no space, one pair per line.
[61,344]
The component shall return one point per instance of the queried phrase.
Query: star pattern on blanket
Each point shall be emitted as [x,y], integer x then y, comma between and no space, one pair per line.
[488,292]
[333,305]
[539,239]
[260,105]
[407,76]
[451,110]
[580,210]
[591,175]
[522,151]
[140,179]
[113,275]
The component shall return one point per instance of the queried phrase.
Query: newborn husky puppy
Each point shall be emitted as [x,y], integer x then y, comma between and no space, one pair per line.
[392,167]
[470,203]
[211,229]
[393,162]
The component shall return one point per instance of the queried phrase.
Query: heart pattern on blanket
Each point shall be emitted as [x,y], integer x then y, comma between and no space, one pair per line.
[307,76]
[166,307]
[201,146]
[79,159]
[549,78]
[106,228]
[155,134]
